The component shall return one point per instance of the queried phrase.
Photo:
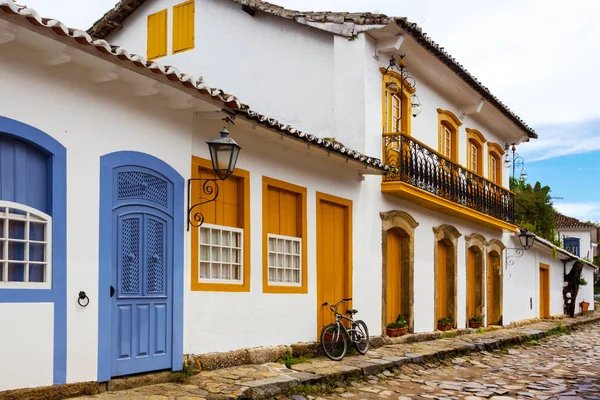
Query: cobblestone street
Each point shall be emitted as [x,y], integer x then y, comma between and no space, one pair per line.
[560,367]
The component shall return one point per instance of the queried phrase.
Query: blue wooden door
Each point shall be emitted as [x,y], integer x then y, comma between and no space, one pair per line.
[141,284]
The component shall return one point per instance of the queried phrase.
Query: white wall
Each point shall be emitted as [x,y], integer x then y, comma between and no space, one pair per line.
[90,120]
[586,293]
[278,67]
[26,345]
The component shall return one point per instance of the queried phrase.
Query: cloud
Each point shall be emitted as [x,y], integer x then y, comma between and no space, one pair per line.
[582,211]
[563,139]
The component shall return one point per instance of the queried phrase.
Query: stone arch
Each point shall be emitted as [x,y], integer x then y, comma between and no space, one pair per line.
[398,234]
[494,278]
[445,259]
[475,272]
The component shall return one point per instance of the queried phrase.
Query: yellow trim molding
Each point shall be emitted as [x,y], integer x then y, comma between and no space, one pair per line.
[495,151]
[245,198]
[474,136]
[387,102]
[496,148]
[474,133]
[431,201]
[303,289]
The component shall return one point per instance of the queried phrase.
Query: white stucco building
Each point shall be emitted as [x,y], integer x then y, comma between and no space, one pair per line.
[576,236]
[347,185]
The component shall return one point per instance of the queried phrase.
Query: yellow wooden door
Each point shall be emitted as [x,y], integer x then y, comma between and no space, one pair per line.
[471,283]
[544,291]
[393,277]
[442,299]
[333,264]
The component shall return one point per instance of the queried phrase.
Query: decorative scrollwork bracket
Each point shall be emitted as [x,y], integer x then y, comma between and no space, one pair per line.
[210,192]
[518,253]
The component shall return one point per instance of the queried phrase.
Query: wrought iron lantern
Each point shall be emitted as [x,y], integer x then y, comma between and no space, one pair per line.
[515,161]
[224,152]
[523,175]
[526,238]
[405,78]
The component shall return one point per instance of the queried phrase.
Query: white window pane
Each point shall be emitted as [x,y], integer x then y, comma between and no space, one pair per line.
[16,229]
[279,275]
[226,255]
[37,231]
[278,260]
[214,271]
[215,237]
[37,252]
[204,267]
[288,246]
[272,259]
[288,275]
[16,272]
[215,254]
[296,276]
[2,222]
[287,263]
[36,273]
[226,238]
[226,271]
[14,212]
[235,272]
[235,256]
[280,245]
[272,244]
[272,274]
[237,241]
[204,253]
[296,247]
[204,235]
[16,251]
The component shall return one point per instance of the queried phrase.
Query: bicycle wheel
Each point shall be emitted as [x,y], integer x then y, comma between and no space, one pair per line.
[333,342]
[361,337]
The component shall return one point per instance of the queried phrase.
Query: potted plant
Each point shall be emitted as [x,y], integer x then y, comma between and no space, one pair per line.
[584,305]
[445,324]
[396,328]
[582,282]
[475,321]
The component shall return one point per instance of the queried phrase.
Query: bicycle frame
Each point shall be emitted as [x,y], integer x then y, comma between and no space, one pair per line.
[346,331]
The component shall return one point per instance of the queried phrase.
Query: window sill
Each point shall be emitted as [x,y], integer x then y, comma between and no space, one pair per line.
[284,289]
[220,287]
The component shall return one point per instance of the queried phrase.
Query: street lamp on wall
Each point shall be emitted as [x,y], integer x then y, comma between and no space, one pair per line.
[405,78]
[527,239]
[515,161]
[224,152]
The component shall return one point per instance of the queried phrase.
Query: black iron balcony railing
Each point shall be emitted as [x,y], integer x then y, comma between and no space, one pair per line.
[418,165]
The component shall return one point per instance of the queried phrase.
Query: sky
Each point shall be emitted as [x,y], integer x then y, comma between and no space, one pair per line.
[539,57]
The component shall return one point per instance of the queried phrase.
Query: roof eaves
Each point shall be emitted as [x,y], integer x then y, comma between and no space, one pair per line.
[187,83]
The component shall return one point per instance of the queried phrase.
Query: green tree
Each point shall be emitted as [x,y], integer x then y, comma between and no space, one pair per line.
[534,209]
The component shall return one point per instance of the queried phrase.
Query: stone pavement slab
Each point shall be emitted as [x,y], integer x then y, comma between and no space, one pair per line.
[259,381]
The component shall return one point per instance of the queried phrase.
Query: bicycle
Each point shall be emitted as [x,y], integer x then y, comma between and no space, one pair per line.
[335,337]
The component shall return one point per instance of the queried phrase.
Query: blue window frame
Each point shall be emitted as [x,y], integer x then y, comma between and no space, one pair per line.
[571,244]
[33,172]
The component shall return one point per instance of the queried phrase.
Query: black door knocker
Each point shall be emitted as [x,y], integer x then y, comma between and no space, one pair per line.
[83,300]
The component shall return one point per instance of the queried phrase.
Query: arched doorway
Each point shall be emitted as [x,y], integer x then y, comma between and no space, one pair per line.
[475,276]
[494,282]
[398,267]
[445,273]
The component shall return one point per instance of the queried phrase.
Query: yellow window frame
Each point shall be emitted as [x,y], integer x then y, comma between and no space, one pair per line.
[449,120]
[301,191]
[496,151]
[196,285]
[388,98]
[475,138]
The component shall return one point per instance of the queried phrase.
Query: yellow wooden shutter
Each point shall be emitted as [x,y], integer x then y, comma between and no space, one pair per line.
[157,35]
[183,27]
[227,209]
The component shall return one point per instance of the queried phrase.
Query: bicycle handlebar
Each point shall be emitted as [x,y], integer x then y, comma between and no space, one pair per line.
[334,307]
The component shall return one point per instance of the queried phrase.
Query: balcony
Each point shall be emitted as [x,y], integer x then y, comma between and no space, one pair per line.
[423,176]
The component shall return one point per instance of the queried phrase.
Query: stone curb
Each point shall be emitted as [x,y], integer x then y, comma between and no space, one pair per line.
[374,366]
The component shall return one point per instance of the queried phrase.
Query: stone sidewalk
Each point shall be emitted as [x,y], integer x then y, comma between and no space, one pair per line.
[268,380]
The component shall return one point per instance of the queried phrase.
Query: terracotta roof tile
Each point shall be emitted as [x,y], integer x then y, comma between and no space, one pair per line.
[188,83]
[115,17]
[563,221]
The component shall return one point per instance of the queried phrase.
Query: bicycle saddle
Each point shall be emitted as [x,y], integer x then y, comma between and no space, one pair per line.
[351,311]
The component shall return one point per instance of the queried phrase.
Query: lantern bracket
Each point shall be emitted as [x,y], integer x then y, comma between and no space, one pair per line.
[210,189]
[518,253]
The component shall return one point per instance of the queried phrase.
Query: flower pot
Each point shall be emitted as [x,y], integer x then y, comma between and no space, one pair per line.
[444,327]
[584,306]
[395,332]
[474,325]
